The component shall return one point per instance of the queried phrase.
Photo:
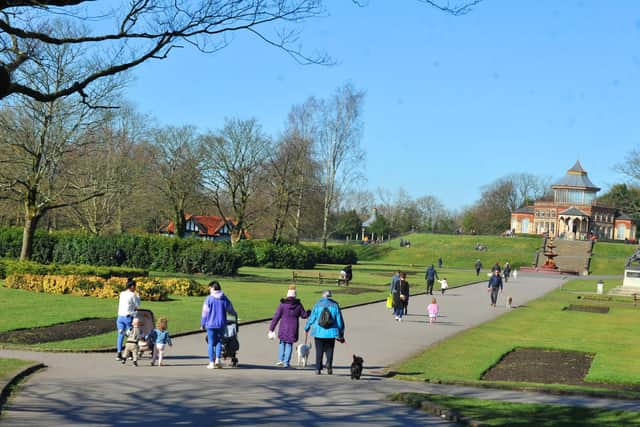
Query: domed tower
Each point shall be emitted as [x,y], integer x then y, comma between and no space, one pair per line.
[575,188]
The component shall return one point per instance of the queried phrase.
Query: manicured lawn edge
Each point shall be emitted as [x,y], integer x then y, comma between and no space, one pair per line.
[9,385]
[435,409]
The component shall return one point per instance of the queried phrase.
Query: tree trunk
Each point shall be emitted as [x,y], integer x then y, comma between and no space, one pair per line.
[30,225]
[180,224]
[299,209]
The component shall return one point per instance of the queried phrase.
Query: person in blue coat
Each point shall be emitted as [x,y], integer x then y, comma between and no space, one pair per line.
[325,336]
[214,321]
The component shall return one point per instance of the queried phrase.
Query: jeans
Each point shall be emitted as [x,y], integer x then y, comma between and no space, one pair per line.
[494,295]
[123,323]
[215,343]
[430,286]
[399,311]
[324,346]
[284,352]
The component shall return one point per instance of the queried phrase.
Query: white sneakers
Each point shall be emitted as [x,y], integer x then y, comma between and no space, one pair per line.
[210,365]
[279,363]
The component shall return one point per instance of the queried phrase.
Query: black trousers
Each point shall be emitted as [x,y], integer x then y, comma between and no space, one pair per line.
[494,295]
[430,286]
[324,346]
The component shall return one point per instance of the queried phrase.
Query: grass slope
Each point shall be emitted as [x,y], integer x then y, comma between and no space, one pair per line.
[9,366]
[612,337]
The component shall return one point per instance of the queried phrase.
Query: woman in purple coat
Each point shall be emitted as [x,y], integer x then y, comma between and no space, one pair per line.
[288,313]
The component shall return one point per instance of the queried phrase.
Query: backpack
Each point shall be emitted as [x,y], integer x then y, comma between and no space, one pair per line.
[325,320]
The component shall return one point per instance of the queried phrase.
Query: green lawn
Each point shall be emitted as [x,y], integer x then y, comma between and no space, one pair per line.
[255,293]
[457,251]
[542,323]
[495,413]
[9,366]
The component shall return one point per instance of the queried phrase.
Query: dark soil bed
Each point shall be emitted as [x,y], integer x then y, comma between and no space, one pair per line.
[547,367]
[62,331]
[588,308]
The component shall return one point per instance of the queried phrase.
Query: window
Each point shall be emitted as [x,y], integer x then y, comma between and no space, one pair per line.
[621,232]
[525,225]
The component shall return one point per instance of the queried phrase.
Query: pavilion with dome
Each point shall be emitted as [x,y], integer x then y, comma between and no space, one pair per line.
[573,213]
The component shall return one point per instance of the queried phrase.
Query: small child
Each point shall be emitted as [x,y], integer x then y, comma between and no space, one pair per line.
[131,347]
[433,310]
[444,285]
[162,339]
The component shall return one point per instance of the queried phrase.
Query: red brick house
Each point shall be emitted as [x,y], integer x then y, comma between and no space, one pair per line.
[208,227]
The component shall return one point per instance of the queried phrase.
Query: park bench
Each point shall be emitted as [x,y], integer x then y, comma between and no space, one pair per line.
[315,276]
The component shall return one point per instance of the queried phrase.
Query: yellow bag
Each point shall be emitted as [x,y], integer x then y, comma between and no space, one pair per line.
[390,301]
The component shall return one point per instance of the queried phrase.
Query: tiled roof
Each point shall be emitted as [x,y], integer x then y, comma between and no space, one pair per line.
[208,225]
[576,177]
[573,211]
[524,210]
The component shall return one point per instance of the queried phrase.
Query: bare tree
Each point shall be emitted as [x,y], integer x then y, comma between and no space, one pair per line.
[238,155]
[178,169]
[119,164]
[631,165]
[38,139]
[133,32]
[337,144]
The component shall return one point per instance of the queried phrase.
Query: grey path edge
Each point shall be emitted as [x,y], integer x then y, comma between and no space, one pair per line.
[15,379]
[439,411]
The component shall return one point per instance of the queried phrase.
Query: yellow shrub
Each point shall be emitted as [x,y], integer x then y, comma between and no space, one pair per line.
[185,287]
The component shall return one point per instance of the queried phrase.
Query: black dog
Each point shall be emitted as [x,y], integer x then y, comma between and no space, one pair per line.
[356,367]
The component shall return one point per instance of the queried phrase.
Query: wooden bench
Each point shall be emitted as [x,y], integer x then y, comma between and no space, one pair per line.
[315,276]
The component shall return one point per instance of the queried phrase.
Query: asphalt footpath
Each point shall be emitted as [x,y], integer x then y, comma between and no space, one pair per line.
[92,389]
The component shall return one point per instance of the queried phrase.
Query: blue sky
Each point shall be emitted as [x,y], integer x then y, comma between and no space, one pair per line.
[452,102]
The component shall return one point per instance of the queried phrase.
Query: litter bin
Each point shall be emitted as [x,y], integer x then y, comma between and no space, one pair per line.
[599,288]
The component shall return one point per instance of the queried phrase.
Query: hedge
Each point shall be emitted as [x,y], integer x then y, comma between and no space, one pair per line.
[152,252]
[149,289]
[10,266]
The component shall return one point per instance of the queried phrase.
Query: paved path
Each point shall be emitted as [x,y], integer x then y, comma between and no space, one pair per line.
[93,389]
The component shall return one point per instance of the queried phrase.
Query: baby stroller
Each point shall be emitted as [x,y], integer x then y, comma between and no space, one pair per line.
[230,344]
[147,324]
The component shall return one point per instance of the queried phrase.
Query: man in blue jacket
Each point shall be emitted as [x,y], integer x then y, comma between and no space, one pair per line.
[495,286]
[430,276]
[325,329]
[214,320]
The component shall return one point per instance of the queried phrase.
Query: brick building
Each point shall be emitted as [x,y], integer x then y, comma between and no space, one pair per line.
[573,213]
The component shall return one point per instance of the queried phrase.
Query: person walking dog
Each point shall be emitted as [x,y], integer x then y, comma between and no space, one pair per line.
[326,326]
[495,286]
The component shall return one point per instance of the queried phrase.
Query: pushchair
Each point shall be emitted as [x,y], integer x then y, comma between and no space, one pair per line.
[230,343]
[147,324]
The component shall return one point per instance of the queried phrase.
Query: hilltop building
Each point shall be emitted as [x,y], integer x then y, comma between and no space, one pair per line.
[573,213]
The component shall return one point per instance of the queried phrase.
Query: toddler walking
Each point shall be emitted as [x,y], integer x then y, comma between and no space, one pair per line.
[444,285]
[433,310]
[131,347]
[162,339]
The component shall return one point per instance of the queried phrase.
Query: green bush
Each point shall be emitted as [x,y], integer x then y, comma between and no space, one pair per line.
[284,255]
[335,255]
[246,251]
[209,259]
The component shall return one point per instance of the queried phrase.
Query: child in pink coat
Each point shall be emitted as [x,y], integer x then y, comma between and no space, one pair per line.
[433,310]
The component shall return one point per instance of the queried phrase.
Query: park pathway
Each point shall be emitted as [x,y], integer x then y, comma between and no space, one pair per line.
[93,389]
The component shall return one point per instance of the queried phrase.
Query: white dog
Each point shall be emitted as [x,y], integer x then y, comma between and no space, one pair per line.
[303,354]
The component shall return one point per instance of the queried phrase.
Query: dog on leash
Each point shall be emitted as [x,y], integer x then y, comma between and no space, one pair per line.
[356,367]
[303,354]
[509,302]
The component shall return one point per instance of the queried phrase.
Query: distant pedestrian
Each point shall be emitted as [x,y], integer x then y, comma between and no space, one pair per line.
[214,321]
[478,267]
[433,309]
[494,287]
[325,334]
[506,271]
[430,276]
[439,263]
[496,267]
[515,274]
[287,314]
[348,274]
[404,293]
[395,281]
[444,285]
